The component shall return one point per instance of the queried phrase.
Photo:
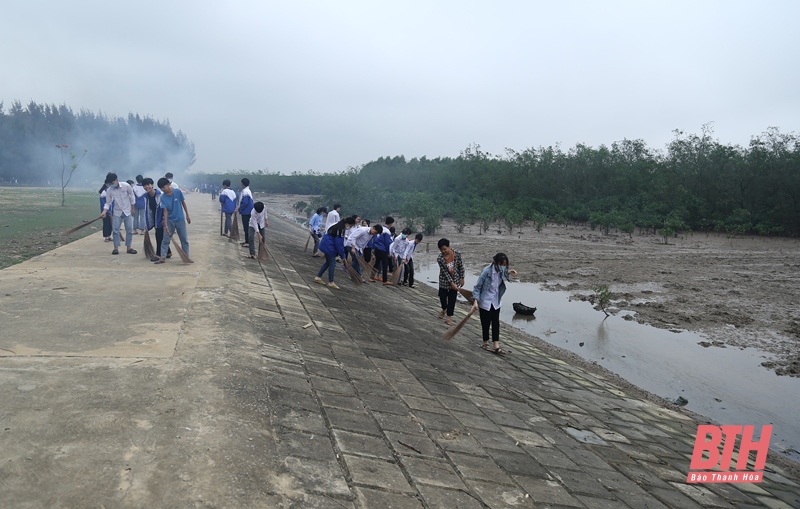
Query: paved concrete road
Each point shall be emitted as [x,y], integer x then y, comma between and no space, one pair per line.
[230,383]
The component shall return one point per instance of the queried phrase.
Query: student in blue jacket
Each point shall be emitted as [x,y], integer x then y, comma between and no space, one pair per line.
[245,209]
[228,200]
[488,293]
[332,246]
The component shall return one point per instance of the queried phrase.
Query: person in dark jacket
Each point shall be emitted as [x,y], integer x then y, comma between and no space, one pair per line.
[332,246]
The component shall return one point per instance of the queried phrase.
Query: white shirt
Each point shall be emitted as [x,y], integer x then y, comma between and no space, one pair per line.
[359,237]
[258,219]
[333,218]
[124,198]
[229,193]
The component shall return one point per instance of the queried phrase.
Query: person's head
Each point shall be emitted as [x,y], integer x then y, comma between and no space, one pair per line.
[418,238]
[444,246]
[139,179]
[226,183]
[168,176]
[404,233]
[389,221]
[130,182]
[245,182]
[356,218]
[147,183]
[349,222]
[319,210]
[112,180]
[365,222]
[376,230]
[337,207]
[258,206]
[164,185]
[500,260]
[324,210]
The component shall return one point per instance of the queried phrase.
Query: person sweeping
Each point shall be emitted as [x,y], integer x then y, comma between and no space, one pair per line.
[488,294]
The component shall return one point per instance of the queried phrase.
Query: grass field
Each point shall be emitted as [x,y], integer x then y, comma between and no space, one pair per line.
[32,220]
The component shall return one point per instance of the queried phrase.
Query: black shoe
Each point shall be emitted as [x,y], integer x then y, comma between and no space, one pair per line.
[411,286]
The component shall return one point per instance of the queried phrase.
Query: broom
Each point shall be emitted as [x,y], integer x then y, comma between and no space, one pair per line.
[263,256]
[307,241]
[149,252]
[396,274]
[354,277]
[450,334]
[84,225]
[467,294]
[365,265]
[234,233]
[181,252]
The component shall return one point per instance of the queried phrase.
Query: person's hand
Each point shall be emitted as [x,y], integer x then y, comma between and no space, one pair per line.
[475,305]
[461,283]
[453,286]
[338,258]
[133,210]
[103,214]
[512,272]
[188,219]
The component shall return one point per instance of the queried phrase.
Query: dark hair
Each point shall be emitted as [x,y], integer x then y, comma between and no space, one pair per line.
[336,206]
[102,188]
[418,237]
[169,175]
[406,231]
[259,206]
[139,178]
[389,220]
[111,177]
[319,209]
[163,181]
[498,259]
[245,181]
[350,220]
[337,230]
[130,182]
[324,209]
[370,222]
[146,181]
[226,182]
[443,242]
[378,229]
[354,216]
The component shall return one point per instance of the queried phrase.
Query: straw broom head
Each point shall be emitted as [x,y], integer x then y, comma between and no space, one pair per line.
[396,274]
[307,241]
[177,247]
[467,294]
[366,265]
[450,334]
[148,245]
[354,277]
[234,233]
[84,225]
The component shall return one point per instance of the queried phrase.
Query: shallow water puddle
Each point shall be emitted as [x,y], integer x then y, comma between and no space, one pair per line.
[728,385]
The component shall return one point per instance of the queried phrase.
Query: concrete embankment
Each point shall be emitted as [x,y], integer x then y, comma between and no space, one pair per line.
[231,383]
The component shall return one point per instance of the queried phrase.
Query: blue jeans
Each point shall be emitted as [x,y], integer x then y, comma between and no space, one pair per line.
[139,221]
[116,223]
[330,264]
[254,238]
[180,229]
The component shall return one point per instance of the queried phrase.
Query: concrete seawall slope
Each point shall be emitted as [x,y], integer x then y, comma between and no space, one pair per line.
[231,383]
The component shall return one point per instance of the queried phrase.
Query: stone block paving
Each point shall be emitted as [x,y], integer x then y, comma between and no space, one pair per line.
[373,409]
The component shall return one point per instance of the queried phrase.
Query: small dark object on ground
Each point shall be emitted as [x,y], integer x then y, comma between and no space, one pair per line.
[523,309]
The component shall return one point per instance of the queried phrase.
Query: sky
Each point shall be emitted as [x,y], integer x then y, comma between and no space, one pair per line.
[327,85]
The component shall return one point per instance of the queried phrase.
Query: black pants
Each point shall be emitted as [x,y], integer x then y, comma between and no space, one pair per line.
[159,238]
[107,226]
[381,262]
[491,317]
[447,297]
[408,275]
[367,254]
[246,227]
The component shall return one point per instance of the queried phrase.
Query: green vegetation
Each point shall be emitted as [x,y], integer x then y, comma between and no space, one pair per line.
[602,296]
[33,220]
[697,183]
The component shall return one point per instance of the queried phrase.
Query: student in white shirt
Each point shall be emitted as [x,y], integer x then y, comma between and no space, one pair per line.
[258,221]
[411,247]
[333,216]
[120,194]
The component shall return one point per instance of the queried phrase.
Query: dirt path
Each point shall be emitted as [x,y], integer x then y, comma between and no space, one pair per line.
[739,292]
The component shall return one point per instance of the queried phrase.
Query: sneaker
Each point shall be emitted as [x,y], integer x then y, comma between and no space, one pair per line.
[333,285]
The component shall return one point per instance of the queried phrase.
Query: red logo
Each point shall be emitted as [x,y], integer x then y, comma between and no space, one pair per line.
[712,463]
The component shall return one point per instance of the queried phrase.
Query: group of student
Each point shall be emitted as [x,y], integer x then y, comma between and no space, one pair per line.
[357,240]
[143,206]
[253,214]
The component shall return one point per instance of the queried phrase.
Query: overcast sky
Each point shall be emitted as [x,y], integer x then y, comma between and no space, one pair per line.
[324,85]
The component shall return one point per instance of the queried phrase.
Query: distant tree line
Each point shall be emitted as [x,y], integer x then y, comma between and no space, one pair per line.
[31,136]
[697,183]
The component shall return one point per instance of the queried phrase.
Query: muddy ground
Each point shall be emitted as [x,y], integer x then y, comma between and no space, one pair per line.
[738,291]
